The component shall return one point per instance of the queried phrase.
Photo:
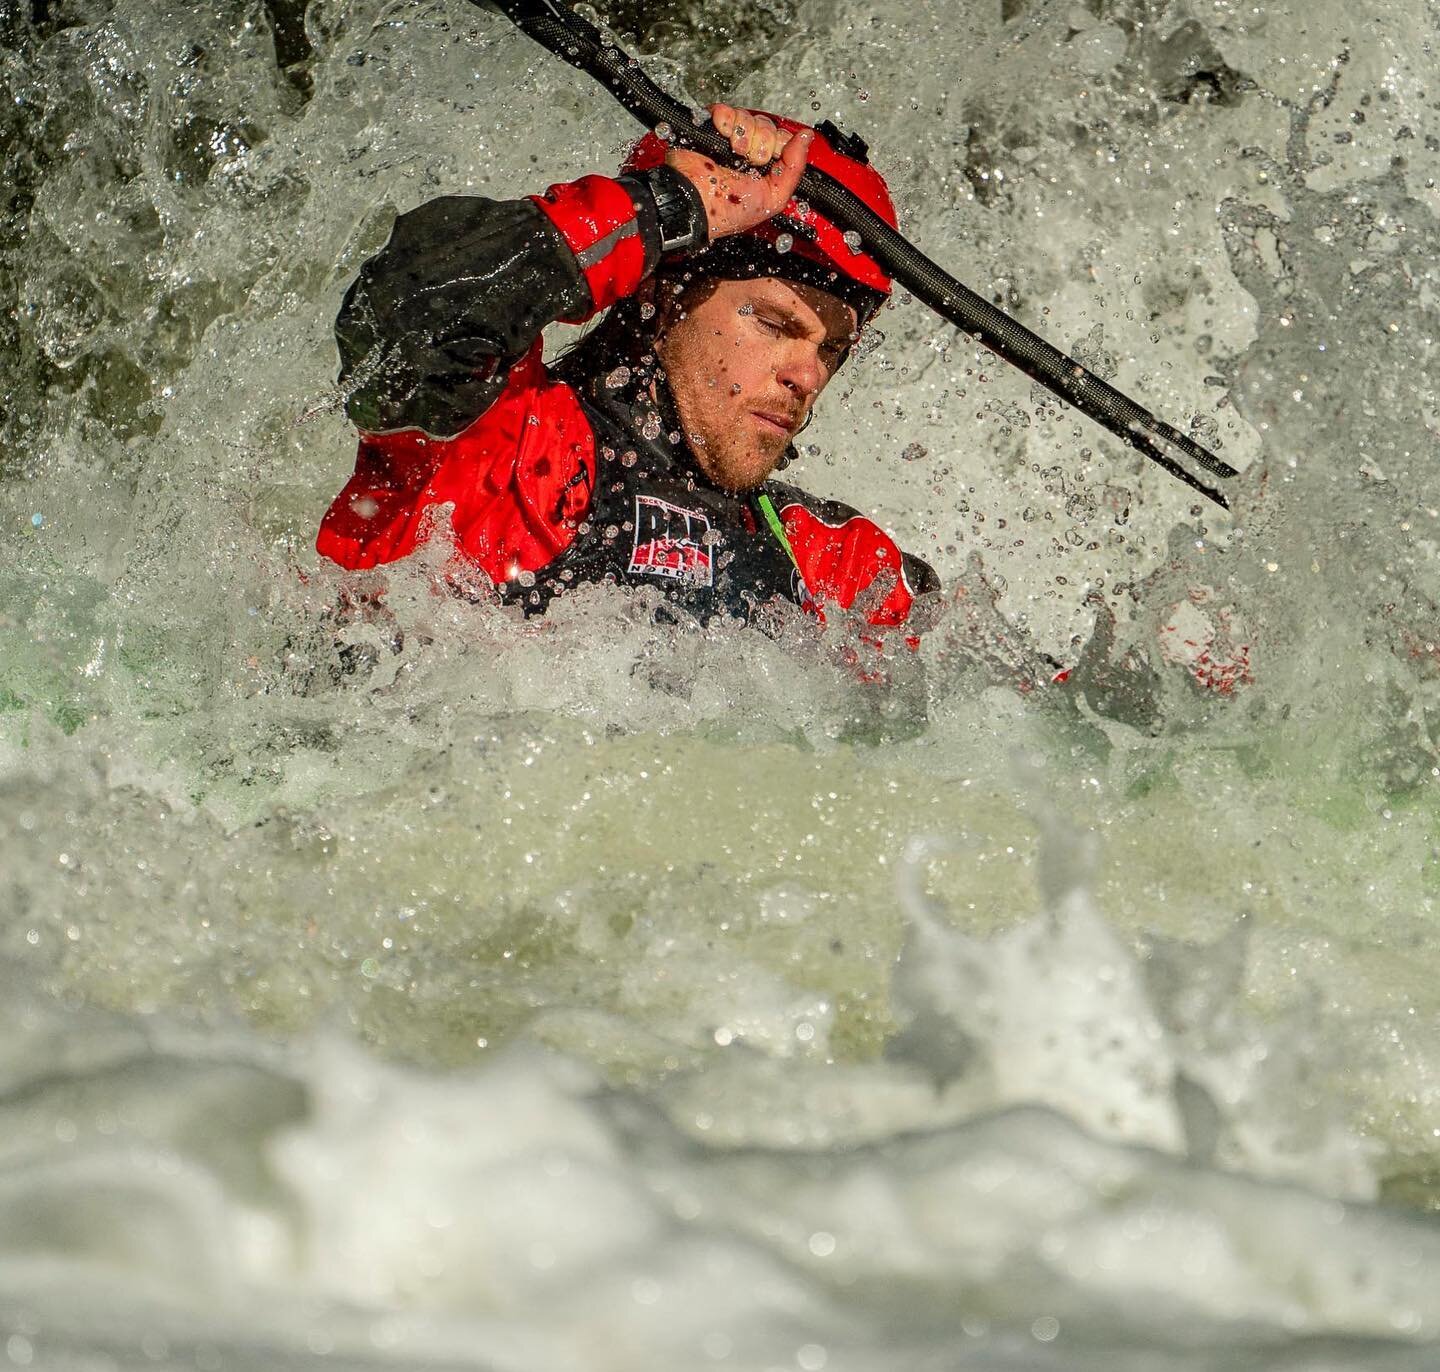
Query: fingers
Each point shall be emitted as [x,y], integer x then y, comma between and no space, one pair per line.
[754,137]
[791,166]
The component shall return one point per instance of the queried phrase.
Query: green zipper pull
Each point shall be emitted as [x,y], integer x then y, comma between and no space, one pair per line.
[778,529]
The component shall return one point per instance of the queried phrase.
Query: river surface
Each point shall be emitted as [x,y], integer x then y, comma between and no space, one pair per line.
[585,993]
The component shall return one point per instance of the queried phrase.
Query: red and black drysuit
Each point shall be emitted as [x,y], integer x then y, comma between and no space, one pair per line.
[555,480]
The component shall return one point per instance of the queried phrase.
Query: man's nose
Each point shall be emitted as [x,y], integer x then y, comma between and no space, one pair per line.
[802,371]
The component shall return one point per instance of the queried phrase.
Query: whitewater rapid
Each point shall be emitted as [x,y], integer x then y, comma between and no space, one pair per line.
[589,992]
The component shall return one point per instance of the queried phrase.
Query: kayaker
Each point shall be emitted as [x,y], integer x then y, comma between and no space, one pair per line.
[644,456]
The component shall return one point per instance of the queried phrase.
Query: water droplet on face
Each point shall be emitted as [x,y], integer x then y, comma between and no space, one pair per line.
[784,242]
[746,308]
[735,388]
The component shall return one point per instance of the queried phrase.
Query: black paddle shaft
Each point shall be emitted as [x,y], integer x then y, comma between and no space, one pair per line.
[575,40]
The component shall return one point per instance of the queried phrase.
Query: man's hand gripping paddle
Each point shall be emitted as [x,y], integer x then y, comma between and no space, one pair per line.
[555,26]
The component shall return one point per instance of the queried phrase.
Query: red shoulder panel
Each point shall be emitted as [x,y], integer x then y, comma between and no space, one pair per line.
[519,478]
[841,561]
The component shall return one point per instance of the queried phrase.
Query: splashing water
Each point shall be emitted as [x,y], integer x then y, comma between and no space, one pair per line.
[427,987]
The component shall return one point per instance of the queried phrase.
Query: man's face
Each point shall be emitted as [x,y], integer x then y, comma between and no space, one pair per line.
[745,362]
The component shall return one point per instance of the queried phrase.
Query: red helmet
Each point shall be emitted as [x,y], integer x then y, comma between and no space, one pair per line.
[816,253]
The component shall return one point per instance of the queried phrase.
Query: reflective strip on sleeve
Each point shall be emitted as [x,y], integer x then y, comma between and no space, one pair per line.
[596,217]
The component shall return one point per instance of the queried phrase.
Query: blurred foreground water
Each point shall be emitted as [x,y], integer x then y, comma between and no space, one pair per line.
[589,993]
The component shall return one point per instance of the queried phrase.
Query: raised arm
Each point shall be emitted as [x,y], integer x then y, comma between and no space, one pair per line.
[463,289]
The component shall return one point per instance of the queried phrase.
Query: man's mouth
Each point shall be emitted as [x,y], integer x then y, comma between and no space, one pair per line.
[778,423]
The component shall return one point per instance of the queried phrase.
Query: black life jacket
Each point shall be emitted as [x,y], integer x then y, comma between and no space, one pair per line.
[656,520]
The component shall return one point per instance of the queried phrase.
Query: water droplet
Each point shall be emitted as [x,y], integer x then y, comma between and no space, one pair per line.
[651,427]
[628,458]
[37,519]
[914,452]
[784,242]
[663,131]
[647,310]
[869,340]
[853,240]
[618,378]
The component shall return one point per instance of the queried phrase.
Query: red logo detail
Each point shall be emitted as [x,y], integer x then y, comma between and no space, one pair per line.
[671,542]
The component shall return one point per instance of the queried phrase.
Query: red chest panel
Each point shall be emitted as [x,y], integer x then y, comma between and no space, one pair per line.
[518,479]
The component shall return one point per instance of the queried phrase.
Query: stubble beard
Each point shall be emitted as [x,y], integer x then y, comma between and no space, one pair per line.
[735,461]
[727,451]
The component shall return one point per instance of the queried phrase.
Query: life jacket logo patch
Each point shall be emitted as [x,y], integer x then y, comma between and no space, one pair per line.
[671,542]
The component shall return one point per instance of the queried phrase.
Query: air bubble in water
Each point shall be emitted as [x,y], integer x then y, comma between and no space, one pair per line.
[647,310]
[784,242]
[651,427]
[914,452]
[618,378]
[628,458]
